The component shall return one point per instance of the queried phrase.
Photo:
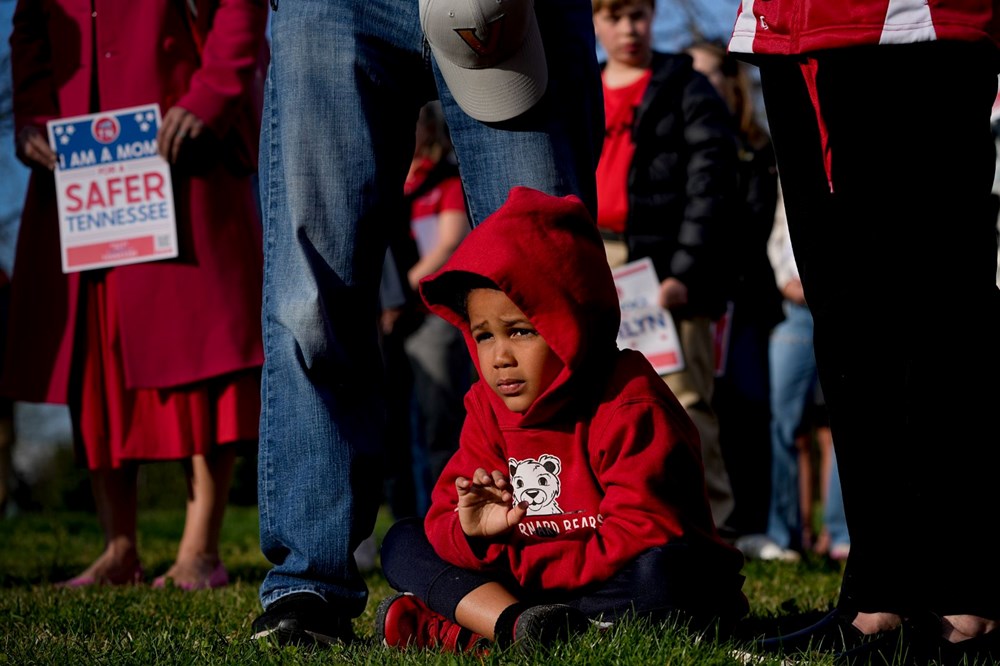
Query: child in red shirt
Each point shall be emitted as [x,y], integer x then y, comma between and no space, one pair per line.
[577,492]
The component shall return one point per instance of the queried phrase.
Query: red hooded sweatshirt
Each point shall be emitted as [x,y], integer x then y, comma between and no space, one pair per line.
[606,456]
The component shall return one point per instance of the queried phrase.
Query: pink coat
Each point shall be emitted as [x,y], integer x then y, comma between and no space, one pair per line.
[785,27]
[182,320]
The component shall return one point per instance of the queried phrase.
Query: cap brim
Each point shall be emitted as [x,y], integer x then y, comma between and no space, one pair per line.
[502,92]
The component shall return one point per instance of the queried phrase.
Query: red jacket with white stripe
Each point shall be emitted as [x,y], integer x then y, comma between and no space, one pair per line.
[785,27]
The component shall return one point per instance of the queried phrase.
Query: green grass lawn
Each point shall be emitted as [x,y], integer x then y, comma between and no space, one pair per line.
[41,624]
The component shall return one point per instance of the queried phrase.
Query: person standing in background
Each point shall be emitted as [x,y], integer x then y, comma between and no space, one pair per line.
[519,87]
[742,383]
[13,183]
[158,360]
[794,385]
[880,116]
[427,366]
[668,181]
[439,360]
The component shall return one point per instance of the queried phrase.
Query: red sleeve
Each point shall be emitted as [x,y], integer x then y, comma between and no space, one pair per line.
[230,57]
[441,523]
[452,195]
[35,96]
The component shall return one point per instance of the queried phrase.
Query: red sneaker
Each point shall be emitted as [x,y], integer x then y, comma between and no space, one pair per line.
[403,620]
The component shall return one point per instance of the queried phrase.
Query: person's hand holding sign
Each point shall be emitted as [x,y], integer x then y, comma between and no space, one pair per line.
[34,150]
[178,124]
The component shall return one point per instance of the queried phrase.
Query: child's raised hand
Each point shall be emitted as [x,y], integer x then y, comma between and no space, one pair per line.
[484,504]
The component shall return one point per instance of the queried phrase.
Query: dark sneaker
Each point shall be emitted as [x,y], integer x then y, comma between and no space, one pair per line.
[546,624]
[403,620]
[303,618]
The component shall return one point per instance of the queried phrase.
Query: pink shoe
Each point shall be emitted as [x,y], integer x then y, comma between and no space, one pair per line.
[89,581]
[218,578]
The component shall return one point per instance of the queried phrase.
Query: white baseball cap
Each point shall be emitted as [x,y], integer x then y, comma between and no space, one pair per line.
[489,52]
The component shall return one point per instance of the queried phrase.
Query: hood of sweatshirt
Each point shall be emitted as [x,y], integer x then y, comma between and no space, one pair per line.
[545,253]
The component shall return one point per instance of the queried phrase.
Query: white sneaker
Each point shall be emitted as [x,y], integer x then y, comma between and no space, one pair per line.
[365,554]
[762,547]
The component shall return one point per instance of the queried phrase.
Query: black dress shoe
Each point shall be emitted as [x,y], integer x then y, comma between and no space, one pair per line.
[834,634]
[983,649]
[303,618]
[750,630]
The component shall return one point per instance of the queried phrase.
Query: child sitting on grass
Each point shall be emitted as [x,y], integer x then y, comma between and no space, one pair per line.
[577,493]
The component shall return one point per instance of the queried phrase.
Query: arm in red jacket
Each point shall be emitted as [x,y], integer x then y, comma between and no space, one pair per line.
[441,523]
[35,96]
[231,51]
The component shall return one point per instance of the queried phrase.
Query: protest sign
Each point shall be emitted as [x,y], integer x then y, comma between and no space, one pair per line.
[113,190]
[645,326]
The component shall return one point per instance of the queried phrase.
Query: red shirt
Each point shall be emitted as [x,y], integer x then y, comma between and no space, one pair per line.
[616,156]
[426,209]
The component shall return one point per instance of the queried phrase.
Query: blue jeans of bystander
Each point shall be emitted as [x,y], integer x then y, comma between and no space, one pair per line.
[793,381]
[833,510]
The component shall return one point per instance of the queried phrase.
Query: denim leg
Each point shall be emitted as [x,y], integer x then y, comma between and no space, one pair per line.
[833,510]
[554,147]
[793,378]
[13,174]
[344,87]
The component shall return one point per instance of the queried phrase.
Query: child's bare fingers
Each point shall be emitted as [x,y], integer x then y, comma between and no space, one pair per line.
[499,479]
[482,477]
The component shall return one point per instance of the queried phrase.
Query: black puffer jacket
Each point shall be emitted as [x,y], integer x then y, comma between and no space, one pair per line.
[682,183]
[755,291]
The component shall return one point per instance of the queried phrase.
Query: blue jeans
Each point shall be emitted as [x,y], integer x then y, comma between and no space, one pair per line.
[793,382]
[833,511]
[13,174]
[344,88]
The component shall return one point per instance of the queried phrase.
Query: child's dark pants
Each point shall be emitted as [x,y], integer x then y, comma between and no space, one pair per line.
[658,583]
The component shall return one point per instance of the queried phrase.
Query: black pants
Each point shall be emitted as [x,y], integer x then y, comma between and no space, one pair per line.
[656,584]
[896,246]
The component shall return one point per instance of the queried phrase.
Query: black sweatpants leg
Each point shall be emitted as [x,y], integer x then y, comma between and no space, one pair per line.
[896,247]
